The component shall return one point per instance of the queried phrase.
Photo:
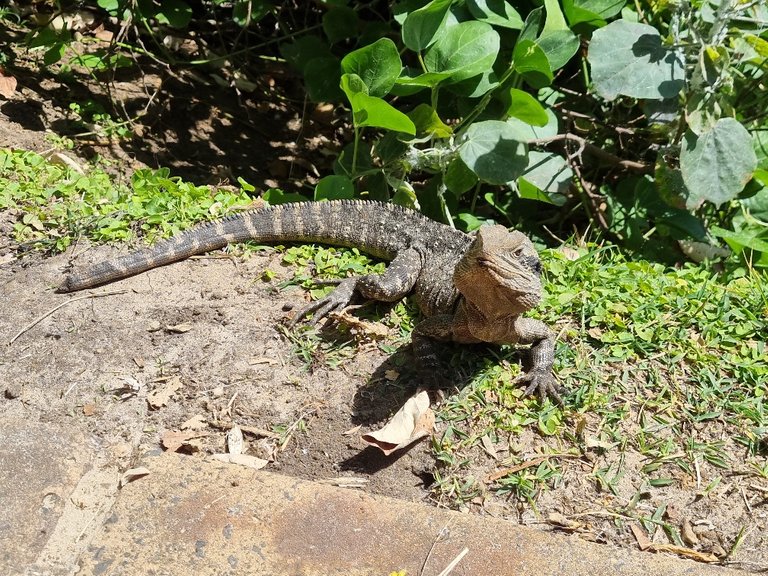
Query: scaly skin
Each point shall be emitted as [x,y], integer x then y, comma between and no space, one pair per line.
[470,288]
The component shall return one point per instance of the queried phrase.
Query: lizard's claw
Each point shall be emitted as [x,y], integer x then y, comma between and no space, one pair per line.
[542,382]
[336,301]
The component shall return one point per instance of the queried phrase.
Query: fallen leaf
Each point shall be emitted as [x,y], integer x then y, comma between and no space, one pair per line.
[235,440]
[197,422]
[487,444]
[413,421]
[242,460]
[687,534]
[643,542]
[391,375]
[89,409]
[180,328]
[352,431]
[56,157]
[557,519]
[172,440]
[133,474]
[362,330]
[161,397]
[7,84]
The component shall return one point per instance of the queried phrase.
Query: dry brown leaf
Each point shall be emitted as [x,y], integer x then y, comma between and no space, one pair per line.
[413,421]
[133,474]
[235,440]
[360,329]
[56,157]
[643,542]
[487,444]
[180,328]
[172,440]
[7,84]
[197,422]
[161,397]
[557,519]
[687,534]
[242,460]
[352,431]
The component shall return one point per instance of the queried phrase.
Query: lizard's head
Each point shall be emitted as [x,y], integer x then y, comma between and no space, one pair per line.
[500,272]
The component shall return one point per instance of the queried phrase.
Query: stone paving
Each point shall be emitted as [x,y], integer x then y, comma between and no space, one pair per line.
[63,511]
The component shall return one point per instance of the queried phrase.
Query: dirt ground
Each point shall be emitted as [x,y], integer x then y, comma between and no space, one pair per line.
[205,332]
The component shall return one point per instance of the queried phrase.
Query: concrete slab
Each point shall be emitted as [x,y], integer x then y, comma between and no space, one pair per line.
[52,497]
[191,516]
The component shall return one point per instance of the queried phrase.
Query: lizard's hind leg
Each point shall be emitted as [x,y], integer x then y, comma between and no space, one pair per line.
[394,284]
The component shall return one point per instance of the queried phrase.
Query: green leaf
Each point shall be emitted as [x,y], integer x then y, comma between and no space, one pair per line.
[321,78]
[629,59]
[559,46]
[421,26]
[757,205]
[174,13]
[740,240]
[378,65]
[496,13]
[465,50]
[334,188]
[54,53]
[426,80]
[372,111]
[525,107]
[593,12]
[340,23]
[546,178]
[110,6]
[428,123]
[276,196]
[352,84]
[307,48]
[526,132]
[717,164]
[492,151]
[555,20]
[530,61]
[459,178]
[246,12]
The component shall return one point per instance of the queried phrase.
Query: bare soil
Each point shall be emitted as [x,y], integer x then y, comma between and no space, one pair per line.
[213,325]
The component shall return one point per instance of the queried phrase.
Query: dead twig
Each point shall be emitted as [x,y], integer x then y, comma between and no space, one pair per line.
[55,308]
[632,165]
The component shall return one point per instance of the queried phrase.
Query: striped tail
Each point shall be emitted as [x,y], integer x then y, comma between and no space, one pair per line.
[377,228]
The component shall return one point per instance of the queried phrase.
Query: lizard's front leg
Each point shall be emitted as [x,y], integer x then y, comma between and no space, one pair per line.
[395,283]
[540,378]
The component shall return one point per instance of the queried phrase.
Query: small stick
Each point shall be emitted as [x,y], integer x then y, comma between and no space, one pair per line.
[454,562]
[55,308]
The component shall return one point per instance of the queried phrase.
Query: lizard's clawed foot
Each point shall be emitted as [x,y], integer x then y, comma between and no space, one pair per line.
[542,383]
[336,301]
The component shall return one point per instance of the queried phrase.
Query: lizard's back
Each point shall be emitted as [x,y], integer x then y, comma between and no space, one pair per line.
[377,228]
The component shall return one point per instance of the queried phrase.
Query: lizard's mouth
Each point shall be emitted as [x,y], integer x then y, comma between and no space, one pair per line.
[508,272]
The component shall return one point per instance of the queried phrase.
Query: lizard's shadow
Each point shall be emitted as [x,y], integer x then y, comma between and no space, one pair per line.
[393,382]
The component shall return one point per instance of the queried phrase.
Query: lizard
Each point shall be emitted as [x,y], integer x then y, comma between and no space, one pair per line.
[470,288]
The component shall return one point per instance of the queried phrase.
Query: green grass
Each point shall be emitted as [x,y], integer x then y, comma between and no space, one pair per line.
[666,364]
[663,369]
[57,205]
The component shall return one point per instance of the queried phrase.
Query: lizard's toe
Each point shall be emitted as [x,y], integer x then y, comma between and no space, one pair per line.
[543,384]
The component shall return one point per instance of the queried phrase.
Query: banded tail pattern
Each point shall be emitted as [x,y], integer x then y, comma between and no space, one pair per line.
[377,228]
